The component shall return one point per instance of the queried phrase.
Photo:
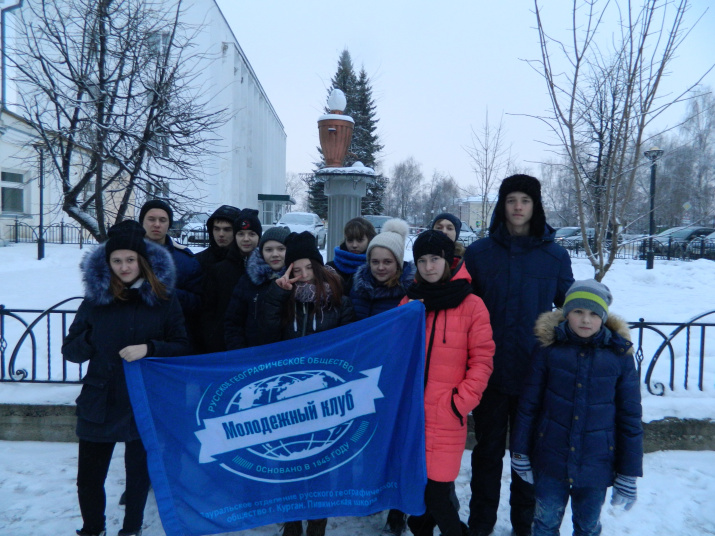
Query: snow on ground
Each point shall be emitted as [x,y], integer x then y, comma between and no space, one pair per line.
[38,497]
[37,480]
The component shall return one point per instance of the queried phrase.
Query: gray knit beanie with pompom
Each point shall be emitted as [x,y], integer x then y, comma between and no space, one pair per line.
[393,235]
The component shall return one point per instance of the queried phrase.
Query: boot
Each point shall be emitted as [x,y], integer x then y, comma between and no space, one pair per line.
[130,532]
[293,528]
[123,499]
[421,525]
[316,527]
[396,523]
[83,532]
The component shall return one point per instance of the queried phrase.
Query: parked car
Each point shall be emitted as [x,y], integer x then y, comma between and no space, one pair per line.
[570,237]
[305,221]
[466,234]
[673,242]
[702,248]
[377,221]
[191,229]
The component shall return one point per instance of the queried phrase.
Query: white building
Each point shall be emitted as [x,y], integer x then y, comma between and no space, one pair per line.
[248,170]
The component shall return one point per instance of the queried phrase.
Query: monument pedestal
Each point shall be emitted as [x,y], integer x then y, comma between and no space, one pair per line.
[344,188]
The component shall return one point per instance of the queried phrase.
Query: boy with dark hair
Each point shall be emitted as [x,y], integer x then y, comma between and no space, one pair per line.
[221,236]
[519,272]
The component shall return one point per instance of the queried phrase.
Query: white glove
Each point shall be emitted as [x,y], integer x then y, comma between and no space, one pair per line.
[624,492]
[521,465]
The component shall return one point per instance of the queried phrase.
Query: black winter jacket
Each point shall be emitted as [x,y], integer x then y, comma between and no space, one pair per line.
[305,321]
[243,323]
[219,283]
[103,326]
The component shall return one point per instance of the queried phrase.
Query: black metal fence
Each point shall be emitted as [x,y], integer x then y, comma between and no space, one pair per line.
[668,355]
[57,233]
[637,249]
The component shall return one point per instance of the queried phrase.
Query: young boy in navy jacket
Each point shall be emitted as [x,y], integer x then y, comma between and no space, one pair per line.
[578,422]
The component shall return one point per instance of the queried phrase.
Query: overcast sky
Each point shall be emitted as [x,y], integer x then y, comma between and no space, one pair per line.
[436,68]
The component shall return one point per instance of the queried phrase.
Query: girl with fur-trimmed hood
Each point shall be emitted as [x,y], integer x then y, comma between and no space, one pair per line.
[578,427]
[243,324]
[129,312]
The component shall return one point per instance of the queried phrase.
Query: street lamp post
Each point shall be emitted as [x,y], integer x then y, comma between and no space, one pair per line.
[41,230]
[653,155]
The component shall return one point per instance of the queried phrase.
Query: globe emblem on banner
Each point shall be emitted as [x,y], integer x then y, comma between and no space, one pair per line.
[291,425]
[285,386]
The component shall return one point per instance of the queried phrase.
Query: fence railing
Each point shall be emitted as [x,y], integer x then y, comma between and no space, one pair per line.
[57,233]
[637,249]
[668,355]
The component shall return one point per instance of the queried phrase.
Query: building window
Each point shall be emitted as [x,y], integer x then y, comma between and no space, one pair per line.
[12,192]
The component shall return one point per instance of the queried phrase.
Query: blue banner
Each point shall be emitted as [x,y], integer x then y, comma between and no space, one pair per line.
[327,425]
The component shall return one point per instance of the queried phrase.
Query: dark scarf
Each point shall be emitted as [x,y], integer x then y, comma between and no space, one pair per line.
[347,262]
[437,297]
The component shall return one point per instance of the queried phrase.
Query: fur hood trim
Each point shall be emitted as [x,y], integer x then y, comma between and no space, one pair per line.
[96,274]
[259,271]
[549,321]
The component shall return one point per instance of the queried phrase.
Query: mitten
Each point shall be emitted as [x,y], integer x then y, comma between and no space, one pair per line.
[521,465]
[624,491]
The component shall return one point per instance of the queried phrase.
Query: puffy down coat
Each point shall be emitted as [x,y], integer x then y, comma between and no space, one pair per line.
[459,364]
[579,416]
[518,277]
[103,326]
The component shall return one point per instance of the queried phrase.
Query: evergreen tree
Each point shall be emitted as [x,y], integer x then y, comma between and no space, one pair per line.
[365,142]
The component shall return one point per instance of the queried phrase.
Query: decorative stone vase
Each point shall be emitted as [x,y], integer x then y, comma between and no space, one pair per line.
[336,133]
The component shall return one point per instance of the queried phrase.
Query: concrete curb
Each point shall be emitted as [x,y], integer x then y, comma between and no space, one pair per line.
[19,422]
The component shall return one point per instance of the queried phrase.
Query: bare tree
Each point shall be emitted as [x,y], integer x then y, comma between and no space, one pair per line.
[108,87]
[603,97]
[491,161]
[440,195]
[296,188]
[404,188]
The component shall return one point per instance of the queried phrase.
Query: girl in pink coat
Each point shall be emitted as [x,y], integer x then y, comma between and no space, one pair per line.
[458,363]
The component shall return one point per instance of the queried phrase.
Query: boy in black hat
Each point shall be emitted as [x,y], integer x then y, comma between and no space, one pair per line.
[156,216]
[519,272]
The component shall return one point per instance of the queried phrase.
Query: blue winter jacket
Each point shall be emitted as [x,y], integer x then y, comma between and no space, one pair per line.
[188,277]
[579,415]
[518,278]
[370,299]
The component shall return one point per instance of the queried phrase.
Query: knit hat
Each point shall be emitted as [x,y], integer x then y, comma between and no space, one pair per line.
[447,216]
[302,246]
[393,236]
[588,294]
[127,234]
[247,220]
[156,203]
[433,242]
[278,233]
[531,187]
